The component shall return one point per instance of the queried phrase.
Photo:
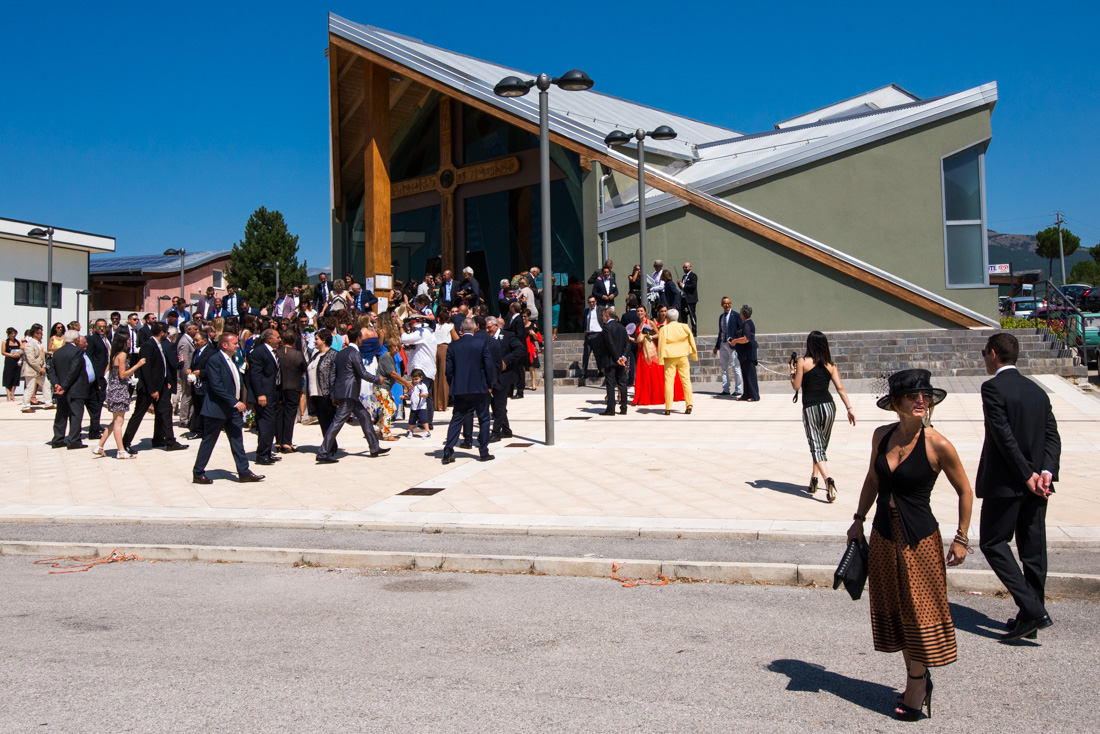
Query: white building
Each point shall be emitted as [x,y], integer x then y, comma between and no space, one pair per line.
[25,273]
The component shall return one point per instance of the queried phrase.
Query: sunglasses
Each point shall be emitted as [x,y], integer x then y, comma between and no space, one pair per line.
[925,396]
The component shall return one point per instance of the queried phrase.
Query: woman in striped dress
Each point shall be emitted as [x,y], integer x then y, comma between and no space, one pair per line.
[907,574]
[812,374]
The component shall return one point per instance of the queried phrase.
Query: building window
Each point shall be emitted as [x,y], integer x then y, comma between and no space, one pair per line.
[33,293]
[965,246]
[219,280]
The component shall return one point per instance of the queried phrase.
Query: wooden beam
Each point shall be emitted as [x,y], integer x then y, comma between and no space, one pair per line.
[398,91]
[376,172]
[677,190]
[334,122]
[348,66]
[351,108]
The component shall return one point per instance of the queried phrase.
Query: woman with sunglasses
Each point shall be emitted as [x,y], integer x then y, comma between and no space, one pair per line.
[907,568]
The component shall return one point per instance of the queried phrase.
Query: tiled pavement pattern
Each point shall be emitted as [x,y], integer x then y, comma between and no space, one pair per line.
[729,465]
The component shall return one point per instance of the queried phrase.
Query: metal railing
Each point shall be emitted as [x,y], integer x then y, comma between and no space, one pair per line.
[1072,336]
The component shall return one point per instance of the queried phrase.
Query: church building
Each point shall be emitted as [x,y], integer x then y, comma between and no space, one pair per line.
[868,214]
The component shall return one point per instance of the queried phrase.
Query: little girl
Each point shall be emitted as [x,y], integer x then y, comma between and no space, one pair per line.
[418,401]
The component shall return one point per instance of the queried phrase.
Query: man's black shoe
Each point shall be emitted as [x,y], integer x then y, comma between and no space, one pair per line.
[158,445]
[95,435]
[176,446]
[448,458]
[127,449]
[250,477]
[191,436]
[265,462]
[1011,625]
[608,412]
[379,452]
[325,460]
[58,444]
[506,434]
[466,445]
[494,438]
[486,457]
[77,445]
[622,410]
[201,479]
[1025,627]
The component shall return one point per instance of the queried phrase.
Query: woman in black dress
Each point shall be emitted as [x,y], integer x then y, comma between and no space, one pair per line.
[907,569]
[11,353]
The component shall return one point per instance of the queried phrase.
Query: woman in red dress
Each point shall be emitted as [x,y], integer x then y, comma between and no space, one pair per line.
[649,374]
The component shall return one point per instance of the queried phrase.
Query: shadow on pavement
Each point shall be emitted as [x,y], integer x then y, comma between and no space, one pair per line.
[982,625]
[789,488]
[815,678]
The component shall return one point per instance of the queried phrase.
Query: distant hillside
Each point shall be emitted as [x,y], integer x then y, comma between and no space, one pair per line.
[1019,251]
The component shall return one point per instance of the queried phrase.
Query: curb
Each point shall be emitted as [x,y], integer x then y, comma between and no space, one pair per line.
[726,572]
[580,531]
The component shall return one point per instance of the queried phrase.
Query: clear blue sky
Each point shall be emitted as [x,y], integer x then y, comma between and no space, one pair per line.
[167,125]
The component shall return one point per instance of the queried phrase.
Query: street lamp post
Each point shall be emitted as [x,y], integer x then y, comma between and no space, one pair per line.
[618,137]
[273,266]
[161,314]
[87,303]
[173,253]
[48,234]
[512,86]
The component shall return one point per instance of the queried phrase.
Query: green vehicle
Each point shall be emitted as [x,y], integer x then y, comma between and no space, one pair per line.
[1086,335]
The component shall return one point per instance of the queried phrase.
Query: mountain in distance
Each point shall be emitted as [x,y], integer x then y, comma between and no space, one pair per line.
[1019,251]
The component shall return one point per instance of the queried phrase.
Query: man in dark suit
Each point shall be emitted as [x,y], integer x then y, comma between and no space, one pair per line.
[729,327]
[222,410]
[265,387]
[593,330]
[469,289]
[292,367]
[232,302]
[99,352]
[508,355]
[614,357]
[631,321]
[196,375]
[360,298]
[146,330]
[73,376]
[155,379]
[469,373]
[598,272]
[605,290]
[348,374]
[321,292]
[1019,464]
[689,296]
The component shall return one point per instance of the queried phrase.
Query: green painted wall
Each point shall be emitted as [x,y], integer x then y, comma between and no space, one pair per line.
[881,203]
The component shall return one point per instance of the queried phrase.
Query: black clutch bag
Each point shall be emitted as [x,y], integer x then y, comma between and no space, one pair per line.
[852,571]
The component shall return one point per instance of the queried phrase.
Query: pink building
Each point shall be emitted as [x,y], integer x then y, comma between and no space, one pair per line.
[146,283]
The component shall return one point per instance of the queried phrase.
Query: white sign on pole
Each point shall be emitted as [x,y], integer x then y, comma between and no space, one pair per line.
[1003,269]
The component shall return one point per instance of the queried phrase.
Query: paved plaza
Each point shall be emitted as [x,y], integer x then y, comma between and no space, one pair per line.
[730,467]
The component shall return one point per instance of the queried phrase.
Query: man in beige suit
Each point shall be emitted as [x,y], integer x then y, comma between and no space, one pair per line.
[34,366]
[674,344]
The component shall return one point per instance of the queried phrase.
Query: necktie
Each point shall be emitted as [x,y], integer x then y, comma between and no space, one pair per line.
[278,371]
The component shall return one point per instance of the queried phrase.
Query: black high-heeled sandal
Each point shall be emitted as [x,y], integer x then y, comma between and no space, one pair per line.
[812,489]
[908,713]
[830,489]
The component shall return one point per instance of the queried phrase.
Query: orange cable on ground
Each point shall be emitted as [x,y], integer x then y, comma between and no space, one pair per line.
[627,583]
[115,556]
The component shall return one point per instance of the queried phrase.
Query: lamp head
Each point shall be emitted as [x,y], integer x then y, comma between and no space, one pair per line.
[512,86]
[617,137]
[574,80]
[38,232]
[664,132]
[172,252]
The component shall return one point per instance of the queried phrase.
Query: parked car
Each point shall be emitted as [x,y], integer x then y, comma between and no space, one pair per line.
[1023,307]
[1084,330]
[1090,300]
[1074,291]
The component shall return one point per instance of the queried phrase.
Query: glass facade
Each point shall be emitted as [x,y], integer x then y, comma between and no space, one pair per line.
[965,254]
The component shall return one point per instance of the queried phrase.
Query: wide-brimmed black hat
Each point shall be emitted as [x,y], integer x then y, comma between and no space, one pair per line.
[908,382]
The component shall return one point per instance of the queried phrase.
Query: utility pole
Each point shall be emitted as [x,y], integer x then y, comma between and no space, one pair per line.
[1061,249]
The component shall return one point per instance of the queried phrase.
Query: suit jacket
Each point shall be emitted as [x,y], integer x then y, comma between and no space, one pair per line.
[222,394]
[292,365]
[469,366]
[185,350]
[71,371]
[232,304]
[1021,436]
[472,287]
[584,321]
[152,376]
[675,340]
[615,344]
[198,364]
[34,359]
[513,354]
[144,334]
[364,300]
[600,293]
[172,359]
[596,274]
[729,326]
[348,372]
[690,290]
[100,353]
[321,292]
[261,373]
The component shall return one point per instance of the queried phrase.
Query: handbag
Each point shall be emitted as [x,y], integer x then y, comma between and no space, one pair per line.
[852,571]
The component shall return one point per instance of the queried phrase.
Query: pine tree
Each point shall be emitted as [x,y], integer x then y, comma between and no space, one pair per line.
[1048,246]
[266,240]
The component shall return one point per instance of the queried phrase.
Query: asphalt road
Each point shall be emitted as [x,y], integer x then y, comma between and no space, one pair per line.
[200,647]
[1061,560]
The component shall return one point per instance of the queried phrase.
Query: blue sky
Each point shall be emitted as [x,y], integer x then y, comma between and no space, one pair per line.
[166,125]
